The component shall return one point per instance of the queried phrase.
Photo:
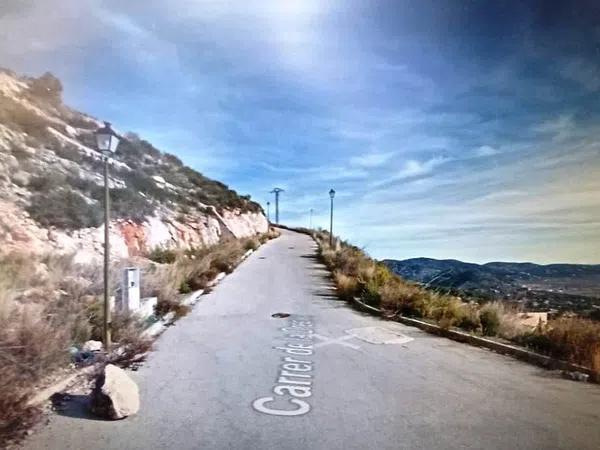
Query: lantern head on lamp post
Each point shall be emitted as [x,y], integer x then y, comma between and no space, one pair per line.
[106,139]
[331,195]
[107,142]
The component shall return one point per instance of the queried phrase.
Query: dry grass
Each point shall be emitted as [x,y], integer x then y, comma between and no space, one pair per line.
[357,275]
[347,287]
[48,304]
[573,339]
[42,314]
[183,272]
[33,342]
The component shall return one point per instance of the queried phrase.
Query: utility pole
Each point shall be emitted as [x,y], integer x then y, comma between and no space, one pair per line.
[311,214]
[268,211]
[331,195]
[277,191]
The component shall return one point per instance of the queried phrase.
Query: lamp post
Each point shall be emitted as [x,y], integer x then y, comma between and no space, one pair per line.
[269,212]
[107,142]
[310,223]
[331,195]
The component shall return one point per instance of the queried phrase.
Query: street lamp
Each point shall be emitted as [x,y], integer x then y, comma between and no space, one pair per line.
[310,223]
[107,142]
[331,195]
[269,212]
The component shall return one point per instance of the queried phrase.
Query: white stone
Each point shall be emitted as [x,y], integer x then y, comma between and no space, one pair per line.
[147,307]
[92,346]
[378,335]
[116,395]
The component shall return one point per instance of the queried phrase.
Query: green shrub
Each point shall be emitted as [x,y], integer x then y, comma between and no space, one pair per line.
[46,183]
[47,88]
[128,204]
[490,319]
[446,310]
[63,209]
[251,244]
[469,318]
[162,255]
[70,153]
[184,287]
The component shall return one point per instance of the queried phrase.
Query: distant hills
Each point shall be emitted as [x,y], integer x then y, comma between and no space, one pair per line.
[537,287]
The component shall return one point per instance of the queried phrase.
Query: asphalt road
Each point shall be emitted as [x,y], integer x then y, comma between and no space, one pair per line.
[219,379]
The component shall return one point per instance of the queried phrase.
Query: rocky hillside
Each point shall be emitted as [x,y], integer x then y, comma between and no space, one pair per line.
[51,184]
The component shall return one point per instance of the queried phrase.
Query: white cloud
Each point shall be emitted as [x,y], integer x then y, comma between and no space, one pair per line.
[559,128]
[412,168]
[371,159]
[486,150]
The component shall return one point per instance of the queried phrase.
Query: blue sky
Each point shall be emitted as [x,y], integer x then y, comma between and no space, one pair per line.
[465,130]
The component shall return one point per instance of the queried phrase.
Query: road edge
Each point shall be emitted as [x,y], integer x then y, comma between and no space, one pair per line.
[520,353]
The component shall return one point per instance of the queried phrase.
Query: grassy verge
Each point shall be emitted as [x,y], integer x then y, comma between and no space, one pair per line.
[178,272]
[355,274]
[48,304]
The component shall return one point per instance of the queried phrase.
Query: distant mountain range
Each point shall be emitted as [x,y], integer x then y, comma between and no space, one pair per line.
[554,286]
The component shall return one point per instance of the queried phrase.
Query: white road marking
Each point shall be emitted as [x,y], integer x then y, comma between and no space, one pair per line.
[378,335]
[338,341]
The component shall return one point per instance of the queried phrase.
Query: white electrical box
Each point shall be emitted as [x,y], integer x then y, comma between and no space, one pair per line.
[131,290]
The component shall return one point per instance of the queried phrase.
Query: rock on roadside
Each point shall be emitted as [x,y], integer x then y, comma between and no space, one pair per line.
[92,346]
[115,395]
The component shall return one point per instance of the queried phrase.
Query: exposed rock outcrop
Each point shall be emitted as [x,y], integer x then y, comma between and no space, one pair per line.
[51,185]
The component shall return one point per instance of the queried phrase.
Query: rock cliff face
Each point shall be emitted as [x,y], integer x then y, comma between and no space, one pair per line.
[51,185]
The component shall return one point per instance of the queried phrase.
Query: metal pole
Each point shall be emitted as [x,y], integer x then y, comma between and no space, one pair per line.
[276,191]
[106,258]
[331,224]
[268,211]
[310,224]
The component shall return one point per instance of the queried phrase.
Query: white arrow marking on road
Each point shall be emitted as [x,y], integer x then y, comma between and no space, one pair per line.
[338,341]
[378,335]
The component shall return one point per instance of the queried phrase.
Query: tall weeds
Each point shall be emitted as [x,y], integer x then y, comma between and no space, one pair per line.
[48,303]
[355,274]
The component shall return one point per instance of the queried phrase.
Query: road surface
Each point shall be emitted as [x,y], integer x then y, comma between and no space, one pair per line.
[230,376]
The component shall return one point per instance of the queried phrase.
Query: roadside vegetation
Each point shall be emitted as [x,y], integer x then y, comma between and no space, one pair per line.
[49,304]
[356,275]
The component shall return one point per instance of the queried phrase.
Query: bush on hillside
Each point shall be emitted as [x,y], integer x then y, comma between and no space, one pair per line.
[573,339]
[128,204]
[63,209]
[47,88]
[162,255]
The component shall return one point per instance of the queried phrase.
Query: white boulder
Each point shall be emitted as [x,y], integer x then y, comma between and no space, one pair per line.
[115,395]
[92,346]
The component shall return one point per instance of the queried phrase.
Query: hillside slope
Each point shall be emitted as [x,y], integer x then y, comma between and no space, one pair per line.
[560,286]
[51,184]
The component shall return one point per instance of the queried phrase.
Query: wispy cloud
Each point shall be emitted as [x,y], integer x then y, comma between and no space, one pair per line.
[486,150]
[585,72]
[371,159]
[411,168]
[445,142]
